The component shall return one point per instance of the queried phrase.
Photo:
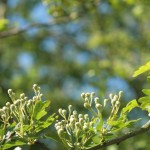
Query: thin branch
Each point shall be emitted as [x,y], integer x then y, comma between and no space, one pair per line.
[15,31]
[118,140]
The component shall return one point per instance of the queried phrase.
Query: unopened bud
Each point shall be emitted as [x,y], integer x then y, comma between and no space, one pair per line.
[86,116]
[70,108]
[120,93]
[35,87]
[105,102]
[83,95]
[85,128]
[77,124]
[111,96]
[98,106]
[87,95]
[64,112]
[10,91]
[8,104]
[87,105]
[80,120]
[93,94]
[96,100]
[60,132]
[80,116]
[22,96]
[60,111]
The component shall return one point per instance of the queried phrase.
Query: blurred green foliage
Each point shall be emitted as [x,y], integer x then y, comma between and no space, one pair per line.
[96,47]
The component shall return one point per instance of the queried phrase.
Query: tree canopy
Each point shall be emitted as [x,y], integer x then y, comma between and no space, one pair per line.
[69,47]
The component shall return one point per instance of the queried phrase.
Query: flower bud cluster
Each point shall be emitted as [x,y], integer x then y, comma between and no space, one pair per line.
[75,126]
[37,92]
[115,102]
[88,102]
[88,98]
[21,109]
[5,114]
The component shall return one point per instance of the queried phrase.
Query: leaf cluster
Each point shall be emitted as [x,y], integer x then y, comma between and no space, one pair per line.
[23,121]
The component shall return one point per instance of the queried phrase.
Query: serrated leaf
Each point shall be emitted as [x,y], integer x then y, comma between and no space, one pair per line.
[145,102]
[119,125]
[132,104]
[142,69]
[40,109]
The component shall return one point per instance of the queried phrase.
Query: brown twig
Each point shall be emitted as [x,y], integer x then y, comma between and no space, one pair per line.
[118,140]
[15,31]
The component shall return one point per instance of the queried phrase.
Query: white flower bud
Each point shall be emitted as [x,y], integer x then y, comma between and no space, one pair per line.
[111,96]
[86,100]
[105,102]
[93,94]
[8,104]
[60,132]
[83,95]
[98,106]
[57,127]
[35,87]
[22,96]
[86,105]
[60,111]
[120,93]
[75,112]
[4,108]
[10,91]
[87,95]
[64,112]
[80,116]
[85,128]
[96,100]
[72,120]
[86,116]
[70,108]
[12,107]
[91,124]
[77,124]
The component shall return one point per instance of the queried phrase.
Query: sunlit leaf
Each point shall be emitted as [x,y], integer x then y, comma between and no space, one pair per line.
[132,104]
[40,109]
[14,143]
[3,23]
[142,69]
[44,124]
[146,91]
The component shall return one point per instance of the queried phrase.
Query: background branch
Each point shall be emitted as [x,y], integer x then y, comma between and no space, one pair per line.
[15,31]
[118,140]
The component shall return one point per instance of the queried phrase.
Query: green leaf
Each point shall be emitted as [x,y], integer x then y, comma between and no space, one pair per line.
[99,125]
[146,91]
[41,125]
[142,69]
[132,104]
[14,143]
[1,133]
[3,23]
[121,124]
[96,139]
[40,109]
[145,102]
